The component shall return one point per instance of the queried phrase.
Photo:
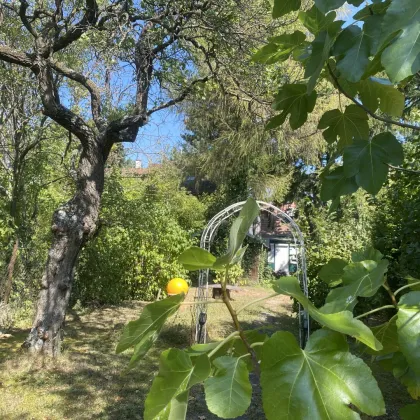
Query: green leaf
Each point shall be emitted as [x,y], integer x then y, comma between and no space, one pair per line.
[368,253]
[279,48]
[143,332]
[336,184]
[282,7]
[353,123]
[228,392]
[239,348]
[408,324]
[320,52]
[387,334]
[293,100]
[332,272]
[368,160]
[288,42]
[406,375]
[359,279]
[366,277]
[371,10]
[339,299]
[196,258]
[379,93]
[327,5]
[353,45]
[411,280]
[237,258]
[141,349]
[402,58]
[341,321]
[177,374]
[372,29]
[238,231]
[410,412]
[179,406]
[315,21]
[318,382]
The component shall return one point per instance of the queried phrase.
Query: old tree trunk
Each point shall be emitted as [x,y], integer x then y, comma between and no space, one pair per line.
[72,224]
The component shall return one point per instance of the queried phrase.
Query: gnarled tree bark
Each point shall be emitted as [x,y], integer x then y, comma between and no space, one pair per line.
[73,224]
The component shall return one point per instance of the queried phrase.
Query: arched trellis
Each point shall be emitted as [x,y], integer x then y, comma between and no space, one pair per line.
[202,293]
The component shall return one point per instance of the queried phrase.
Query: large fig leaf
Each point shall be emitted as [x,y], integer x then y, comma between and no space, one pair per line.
[332,272]
[143,332]
[316,383]
[401,58]
[293,100]
[367,253]
[352,45]
[336,183]
[387,334]
[177,373]
[353,123]
[408,324]
[380,93]
[341,321]
[228,392]
[368,160]
[359,279]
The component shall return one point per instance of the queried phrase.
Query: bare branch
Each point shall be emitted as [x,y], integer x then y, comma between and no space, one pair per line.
[366,109]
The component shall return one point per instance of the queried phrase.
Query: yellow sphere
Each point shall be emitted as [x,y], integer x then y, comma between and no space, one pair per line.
[177,286]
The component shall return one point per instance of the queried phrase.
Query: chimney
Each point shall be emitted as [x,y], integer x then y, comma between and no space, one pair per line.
[138,164]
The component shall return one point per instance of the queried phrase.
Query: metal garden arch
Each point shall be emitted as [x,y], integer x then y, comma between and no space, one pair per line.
[209,233]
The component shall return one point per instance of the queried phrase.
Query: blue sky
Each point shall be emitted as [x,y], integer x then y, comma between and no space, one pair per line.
[159,136]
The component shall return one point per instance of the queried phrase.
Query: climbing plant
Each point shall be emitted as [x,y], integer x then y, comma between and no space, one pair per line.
[324,379]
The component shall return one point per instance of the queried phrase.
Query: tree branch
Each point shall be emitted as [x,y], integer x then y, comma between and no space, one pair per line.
[366,109]
[95,95]
[13,56]
[22,14]
[179,98]
[55,110]
[411,171]
[77,30]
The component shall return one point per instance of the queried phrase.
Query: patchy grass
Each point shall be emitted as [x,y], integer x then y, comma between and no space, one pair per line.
[86,382]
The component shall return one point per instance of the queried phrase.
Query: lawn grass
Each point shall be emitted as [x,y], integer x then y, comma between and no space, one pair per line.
[86,381]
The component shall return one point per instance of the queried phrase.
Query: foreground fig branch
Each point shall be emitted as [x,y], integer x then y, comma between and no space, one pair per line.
[237,325]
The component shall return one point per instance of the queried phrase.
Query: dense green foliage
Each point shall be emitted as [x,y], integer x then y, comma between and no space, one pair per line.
[146,224]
